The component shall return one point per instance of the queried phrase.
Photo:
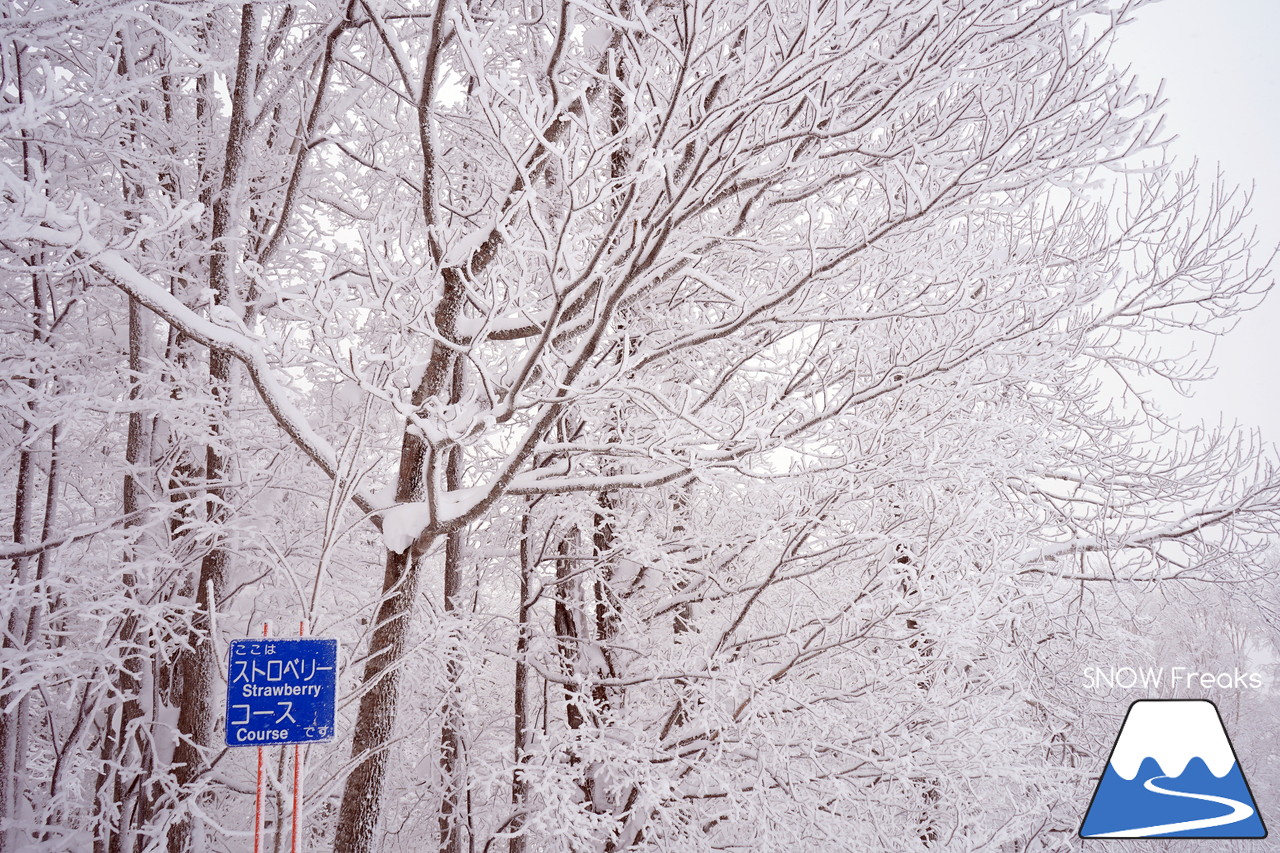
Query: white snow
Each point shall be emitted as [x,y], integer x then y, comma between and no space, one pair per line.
[461,249]
[234,341]
[403,523]
[596,39]
[1173,733]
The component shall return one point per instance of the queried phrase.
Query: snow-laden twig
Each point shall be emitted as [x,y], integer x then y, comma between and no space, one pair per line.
[236,342]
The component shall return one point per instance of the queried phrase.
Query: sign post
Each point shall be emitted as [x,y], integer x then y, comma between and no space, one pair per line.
[295,834]
[281,690]
[260,792]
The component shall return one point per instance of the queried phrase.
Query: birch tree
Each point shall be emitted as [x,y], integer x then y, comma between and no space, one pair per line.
[707,380]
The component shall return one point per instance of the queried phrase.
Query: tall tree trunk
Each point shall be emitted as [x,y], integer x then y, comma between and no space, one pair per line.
[568,609]
[15,724]
[197,666]
[13,720]
[361,806]
[922,644]
[124,781]
[521,722]
[131,743]
[606,601]
[362,797]
[22,629]
[454,819]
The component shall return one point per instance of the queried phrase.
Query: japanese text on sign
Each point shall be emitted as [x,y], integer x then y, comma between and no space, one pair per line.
[281,690]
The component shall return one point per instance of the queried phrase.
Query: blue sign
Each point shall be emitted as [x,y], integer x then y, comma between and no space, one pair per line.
[281,690]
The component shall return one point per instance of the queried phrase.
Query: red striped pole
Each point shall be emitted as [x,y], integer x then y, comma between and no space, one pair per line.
[258,800]
[295,845]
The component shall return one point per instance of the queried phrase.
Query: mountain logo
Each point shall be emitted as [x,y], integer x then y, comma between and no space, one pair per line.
[1173,774]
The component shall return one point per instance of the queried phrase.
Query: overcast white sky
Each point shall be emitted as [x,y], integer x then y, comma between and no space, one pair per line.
[1221,65]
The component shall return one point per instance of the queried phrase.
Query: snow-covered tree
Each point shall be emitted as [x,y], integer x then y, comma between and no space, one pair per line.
[748,405]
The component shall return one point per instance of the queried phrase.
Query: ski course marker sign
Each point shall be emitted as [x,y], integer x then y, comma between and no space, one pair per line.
[281,690]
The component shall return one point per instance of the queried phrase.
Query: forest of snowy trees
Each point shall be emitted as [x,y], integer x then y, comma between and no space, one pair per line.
[705,424]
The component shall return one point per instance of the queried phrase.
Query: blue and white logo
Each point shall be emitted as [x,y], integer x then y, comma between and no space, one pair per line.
[1173,774]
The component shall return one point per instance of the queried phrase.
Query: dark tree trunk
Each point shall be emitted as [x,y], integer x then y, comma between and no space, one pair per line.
[11,724]
[126,746]
[196,667]
[454,817]
[375,721]
[361,806]
[521,721]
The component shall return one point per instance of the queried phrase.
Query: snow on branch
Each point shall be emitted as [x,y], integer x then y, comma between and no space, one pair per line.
[235,342]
